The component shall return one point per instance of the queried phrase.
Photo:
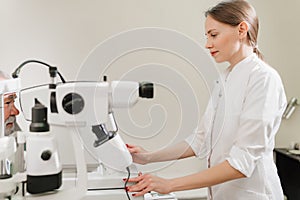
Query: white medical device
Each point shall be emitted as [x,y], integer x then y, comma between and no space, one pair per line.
[86,108]
[44,168]
[90,105]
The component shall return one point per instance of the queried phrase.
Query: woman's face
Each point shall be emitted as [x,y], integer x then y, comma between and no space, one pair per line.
[223,41]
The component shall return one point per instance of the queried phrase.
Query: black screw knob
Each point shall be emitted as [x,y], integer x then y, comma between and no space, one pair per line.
[46,155]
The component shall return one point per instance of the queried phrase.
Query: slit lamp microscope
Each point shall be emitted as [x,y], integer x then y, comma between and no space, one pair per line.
[79,105]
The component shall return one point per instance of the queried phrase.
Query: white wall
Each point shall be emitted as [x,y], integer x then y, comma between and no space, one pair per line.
[63,33]
[280,44]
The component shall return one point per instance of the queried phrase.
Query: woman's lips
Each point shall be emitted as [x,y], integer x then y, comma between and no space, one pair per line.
[213,53]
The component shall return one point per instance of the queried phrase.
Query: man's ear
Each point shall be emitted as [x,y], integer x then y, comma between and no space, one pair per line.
[243,29]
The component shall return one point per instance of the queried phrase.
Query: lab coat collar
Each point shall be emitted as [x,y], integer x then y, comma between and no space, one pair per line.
[242,65]
[244,62]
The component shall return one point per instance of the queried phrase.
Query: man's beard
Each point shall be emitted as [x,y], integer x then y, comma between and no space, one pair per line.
[13,128]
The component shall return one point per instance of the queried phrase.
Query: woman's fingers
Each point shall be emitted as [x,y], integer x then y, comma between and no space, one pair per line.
[132,148]
[139,155]
[135,149]
[141,193]
[142,185]
[142,182]
[135,179]
[147,182]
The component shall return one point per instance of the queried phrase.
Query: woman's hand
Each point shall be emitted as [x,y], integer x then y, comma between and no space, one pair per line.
[139,155]
[146,183]
[173,152]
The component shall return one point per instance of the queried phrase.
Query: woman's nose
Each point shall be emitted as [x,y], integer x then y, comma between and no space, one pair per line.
[208,44]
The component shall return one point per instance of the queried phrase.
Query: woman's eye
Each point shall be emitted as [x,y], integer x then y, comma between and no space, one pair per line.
[214,35]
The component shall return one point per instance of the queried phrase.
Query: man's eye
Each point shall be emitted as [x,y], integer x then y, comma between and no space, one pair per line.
[8,102]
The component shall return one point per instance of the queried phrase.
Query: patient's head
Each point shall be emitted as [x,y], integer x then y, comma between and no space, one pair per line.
[10,110]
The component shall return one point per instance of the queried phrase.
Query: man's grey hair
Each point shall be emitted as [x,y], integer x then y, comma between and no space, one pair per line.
[4,76]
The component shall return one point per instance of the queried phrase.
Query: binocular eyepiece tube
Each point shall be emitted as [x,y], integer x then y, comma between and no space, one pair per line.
[146,90]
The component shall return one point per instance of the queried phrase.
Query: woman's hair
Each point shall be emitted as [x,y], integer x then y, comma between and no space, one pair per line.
[233,13]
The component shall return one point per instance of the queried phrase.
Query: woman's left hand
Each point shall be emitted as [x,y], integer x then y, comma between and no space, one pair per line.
[146,183]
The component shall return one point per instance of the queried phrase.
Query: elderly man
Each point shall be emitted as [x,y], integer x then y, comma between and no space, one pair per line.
[10,111]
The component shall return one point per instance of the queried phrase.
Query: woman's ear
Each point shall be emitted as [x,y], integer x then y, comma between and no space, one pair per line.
[243,29]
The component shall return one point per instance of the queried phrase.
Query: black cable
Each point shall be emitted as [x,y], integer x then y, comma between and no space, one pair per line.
[99,189]
[23,188]
[17,189]
[15,74]
[125,186]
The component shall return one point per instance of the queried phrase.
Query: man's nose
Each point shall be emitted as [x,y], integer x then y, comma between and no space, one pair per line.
[14,110]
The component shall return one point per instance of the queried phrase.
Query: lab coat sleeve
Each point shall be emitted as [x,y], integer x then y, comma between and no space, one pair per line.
[195,140]
[260,119]
[198,140]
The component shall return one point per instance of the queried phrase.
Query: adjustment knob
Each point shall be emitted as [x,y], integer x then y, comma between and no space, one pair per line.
[73,103]
[46,155]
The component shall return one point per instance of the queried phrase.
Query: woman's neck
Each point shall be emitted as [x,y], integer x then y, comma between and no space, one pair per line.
[240,55]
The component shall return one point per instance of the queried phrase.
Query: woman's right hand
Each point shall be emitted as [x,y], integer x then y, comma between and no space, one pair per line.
[139,155]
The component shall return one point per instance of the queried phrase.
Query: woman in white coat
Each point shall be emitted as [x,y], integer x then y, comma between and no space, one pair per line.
[238,129]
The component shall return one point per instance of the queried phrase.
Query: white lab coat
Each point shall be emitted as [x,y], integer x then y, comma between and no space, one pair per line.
[239,125]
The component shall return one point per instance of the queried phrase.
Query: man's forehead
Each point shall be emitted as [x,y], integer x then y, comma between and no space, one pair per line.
[10,96]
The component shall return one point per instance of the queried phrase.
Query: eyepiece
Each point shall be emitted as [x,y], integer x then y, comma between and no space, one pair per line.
[146,90]
[39,121]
